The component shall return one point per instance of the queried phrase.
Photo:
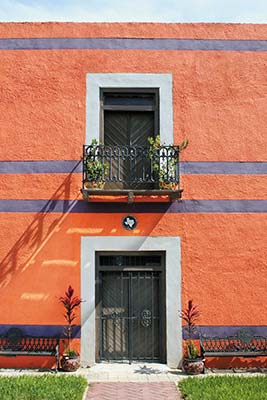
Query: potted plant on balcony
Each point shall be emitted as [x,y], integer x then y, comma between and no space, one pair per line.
[70,360]
[193,363]
[95,167]
[164,162]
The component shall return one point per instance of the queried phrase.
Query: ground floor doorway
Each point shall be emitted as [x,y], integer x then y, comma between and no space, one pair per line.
[166,271]
[130,306]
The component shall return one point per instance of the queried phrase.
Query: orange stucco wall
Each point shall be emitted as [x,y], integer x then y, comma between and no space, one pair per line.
[219,100]
[133,30]
[49,246]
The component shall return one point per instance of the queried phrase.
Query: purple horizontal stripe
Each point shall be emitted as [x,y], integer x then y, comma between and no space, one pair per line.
[42,330]
[184,206]
[41,167]
[186,167]
[205,330]
[223,167]
[132,44]
[219,206]
[224,331]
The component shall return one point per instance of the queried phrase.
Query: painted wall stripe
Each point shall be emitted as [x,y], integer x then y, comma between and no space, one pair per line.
[205,330]
[41,167]
[186,167]
[42,330]
[223,167]
[184,206]
[227,330]
[132,44]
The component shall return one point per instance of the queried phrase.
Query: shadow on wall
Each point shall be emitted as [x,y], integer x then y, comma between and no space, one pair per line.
[46,224]
[33,239]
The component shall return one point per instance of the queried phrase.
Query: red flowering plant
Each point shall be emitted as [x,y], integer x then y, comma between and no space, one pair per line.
[70,303]
[190,315]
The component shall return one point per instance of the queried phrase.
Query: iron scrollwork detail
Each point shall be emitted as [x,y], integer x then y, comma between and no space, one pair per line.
[146,318]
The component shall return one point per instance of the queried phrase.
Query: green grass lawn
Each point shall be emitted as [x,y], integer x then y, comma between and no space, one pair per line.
[224,388]
[45,387]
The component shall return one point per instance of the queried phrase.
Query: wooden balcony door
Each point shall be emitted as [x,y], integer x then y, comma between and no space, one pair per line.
[128,120]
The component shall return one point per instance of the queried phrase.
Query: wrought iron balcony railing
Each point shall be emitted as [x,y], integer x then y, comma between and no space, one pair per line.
[139,169]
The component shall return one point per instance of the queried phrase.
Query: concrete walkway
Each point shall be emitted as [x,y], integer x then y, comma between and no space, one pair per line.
[136,372]
[132,382]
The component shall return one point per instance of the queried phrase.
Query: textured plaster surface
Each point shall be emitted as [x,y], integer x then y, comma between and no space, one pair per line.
[219,101]
[219,104]
[147,30]
[224,261]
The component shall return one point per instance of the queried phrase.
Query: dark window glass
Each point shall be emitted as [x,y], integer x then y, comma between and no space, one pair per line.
[129,261]
[128,99]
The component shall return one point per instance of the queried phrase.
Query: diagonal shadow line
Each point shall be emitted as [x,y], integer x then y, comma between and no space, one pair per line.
[33,237]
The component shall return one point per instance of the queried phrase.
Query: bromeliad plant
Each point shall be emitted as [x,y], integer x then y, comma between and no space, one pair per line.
[164,162]
[70,303]
[190,315]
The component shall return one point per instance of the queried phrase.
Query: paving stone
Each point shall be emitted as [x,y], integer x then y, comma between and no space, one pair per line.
[133,391]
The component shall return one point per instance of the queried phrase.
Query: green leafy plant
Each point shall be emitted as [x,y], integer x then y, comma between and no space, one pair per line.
[70,303]
[164,164]
[154,147]
[190,315]
[96,167]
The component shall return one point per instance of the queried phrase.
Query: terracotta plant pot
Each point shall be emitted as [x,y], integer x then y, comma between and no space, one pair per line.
[94,185]
[70,363]
[193,366]
[168,186]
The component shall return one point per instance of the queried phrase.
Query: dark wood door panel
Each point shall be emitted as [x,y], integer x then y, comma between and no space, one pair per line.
[129,128]
[141,126]
[116,128]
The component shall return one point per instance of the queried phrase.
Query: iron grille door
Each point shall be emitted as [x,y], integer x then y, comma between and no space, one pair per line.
[114,316]
[130,316]
[144,321]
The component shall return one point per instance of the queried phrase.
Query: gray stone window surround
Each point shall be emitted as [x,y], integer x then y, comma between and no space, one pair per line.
[96,81]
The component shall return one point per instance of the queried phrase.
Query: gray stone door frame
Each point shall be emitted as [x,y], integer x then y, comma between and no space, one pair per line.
[168,244]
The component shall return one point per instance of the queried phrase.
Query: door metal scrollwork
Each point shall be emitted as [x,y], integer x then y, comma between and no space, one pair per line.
[146,318]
